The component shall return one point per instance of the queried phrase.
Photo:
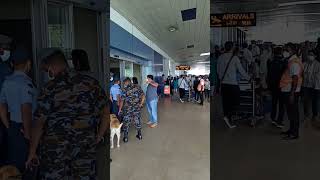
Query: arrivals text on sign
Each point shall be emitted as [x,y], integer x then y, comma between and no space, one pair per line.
[184,68]
[233,20]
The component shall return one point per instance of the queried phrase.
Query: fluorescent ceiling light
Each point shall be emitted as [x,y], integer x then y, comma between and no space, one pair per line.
[205,54]
[298,3]
[206,62]
[172,29]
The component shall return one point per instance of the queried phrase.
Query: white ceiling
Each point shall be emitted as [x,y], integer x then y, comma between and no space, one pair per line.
[154,17]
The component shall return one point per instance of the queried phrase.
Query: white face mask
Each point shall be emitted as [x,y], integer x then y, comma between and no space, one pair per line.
[286,54]
[6,55]
[49,76]
[311,58]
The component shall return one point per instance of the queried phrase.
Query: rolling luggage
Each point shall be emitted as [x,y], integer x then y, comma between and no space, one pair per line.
[167,90]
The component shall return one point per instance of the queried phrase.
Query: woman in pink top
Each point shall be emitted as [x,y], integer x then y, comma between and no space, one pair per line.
[201,89]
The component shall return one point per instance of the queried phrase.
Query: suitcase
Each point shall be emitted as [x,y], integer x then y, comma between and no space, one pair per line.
[167,90]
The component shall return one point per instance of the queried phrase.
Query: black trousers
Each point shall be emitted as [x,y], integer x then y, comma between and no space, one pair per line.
[311,102]
[207,94]
[230,98]
[277,100]
[3,144]
[197,95]
[315,102]
[201,94]
[182,93]
[292,112]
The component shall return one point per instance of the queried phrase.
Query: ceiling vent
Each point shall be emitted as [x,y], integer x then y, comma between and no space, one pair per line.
[189,14]
[190,46]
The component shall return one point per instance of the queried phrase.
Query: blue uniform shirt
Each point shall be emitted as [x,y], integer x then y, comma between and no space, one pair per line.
[18,89]
[4,71]
[114,91]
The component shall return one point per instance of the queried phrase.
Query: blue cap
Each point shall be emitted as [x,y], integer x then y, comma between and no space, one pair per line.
[20,55]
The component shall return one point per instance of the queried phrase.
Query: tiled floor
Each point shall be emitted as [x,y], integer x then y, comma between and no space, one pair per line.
[259,153]
[178,149]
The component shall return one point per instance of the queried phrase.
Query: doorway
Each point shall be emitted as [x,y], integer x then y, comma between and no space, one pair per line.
[137,72]
[115,67]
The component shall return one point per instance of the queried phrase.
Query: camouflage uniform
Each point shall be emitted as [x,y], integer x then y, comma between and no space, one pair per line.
[131,111]
[71,108]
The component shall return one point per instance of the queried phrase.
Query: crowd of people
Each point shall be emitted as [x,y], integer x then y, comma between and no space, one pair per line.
[127,97]
[289,73]
[54,128]
[187,87]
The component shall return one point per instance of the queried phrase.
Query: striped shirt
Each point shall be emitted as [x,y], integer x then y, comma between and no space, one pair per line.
[308,74]
[316,78]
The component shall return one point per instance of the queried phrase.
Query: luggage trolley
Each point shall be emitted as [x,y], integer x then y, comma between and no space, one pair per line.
[250,103]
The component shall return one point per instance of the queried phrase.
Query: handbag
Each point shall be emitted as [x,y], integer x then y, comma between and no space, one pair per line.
[224,73]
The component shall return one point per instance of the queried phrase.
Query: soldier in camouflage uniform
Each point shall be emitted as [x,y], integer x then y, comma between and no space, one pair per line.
[69,111]
[132,102]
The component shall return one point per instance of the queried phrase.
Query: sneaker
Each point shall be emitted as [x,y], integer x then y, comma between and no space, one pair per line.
[291,137]
[153,125]
[181,100]
[149,122]
[273,122]
[227,121]
[280,125]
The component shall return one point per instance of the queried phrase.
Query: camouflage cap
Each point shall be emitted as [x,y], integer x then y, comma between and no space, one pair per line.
[46,52]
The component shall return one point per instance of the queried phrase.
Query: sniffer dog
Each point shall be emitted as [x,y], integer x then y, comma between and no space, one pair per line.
[115,129]
[9,173]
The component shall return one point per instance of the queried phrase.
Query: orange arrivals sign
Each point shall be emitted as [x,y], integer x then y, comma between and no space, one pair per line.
[233,20]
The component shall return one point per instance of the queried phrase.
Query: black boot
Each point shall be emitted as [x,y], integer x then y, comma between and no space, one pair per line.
[139,135]
[125,137]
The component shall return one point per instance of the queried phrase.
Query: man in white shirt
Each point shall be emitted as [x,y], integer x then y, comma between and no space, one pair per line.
[229,84]
[255,50]
[263,69]
[290,85]
[183,85]
[247,55]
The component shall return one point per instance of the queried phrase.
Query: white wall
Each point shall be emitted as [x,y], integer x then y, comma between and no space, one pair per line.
[199,69]
[279,32]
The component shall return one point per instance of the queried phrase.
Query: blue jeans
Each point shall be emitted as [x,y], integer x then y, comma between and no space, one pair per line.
[152,107]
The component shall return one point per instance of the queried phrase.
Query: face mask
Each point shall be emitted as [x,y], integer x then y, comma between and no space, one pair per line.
[6,55]
[49,76]
[286,54]
[311,58]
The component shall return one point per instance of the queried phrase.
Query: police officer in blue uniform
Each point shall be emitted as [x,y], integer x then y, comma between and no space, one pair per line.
[17,104]
[115,97]
[5,70]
